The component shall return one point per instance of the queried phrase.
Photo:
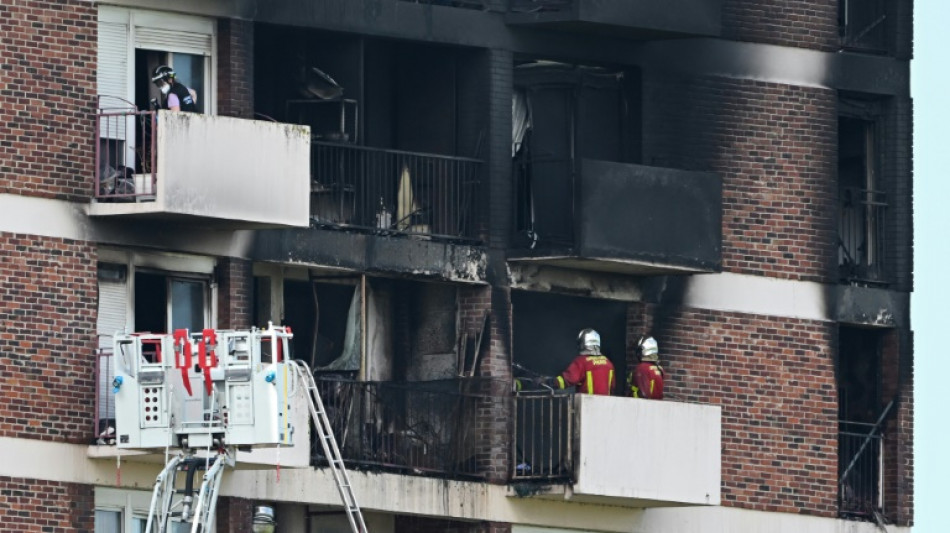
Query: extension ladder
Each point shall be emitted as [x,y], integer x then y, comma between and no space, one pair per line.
[330,448]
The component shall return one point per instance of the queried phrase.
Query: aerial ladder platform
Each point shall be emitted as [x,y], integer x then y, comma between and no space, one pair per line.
[200,397]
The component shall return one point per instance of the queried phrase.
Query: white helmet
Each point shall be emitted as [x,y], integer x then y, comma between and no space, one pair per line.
[649,349]
[588,340]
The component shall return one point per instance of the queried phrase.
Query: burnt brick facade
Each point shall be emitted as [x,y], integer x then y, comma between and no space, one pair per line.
[774,146]
[783,22]
[235,292]
[48,68]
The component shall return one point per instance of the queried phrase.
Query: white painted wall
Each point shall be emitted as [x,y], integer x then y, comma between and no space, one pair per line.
[656,452]
[227,168]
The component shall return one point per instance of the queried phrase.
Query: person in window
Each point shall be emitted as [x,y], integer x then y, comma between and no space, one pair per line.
[591,372]
[646,380]
[175,96]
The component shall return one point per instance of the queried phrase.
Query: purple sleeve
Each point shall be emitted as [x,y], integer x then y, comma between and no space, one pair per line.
[173,100]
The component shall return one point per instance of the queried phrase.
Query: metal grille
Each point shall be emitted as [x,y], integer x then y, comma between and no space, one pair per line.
[418,427]
[861,235]
[467,4]
[125,154]
[394,191]
[860,464]
[543,436]
[105,399]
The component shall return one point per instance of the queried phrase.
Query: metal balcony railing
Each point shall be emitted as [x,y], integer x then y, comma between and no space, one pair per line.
[415,427]
[394,191]
[861,235]
[860,464]
[467,4]
[536,6]
[104,419]
[125,154]
[543,436]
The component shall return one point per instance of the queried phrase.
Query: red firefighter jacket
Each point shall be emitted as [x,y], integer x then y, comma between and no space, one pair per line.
[593,374]
[647,381]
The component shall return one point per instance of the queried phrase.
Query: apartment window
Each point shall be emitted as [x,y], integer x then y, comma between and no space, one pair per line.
[862,24]
[108,521]
[864,411]
[166,302]
[862,202]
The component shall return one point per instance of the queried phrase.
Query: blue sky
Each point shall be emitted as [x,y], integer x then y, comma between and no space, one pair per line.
[930,87]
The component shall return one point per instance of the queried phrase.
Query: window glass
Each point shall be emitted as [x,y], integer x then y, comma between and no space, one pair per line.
[188,302]
[190,71]
[108,521]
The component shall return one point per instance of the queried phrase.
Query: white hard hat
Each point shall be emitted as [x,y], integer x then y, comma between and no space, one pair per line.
[649,349]
[588,340]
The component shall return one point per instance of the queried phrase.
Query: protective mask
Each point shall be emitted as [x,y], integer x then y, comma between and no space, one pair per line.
[165,88]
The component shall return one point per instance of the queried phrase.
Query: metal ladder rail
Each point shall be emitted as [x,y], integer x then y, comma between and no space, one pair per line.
[162,495]
[330,448]
[203,521]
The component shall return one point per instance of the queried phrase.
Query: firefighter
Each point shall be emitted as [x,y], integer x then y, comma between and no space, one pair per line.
[590,371]
[176,97]
[646,380]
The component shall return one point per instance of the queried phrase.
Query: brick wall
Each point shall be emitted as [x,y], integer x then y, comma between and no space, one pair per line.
[233,515]
[774,147]
[800,23]
[774,379]
[31,505]
[898,384]
[896,179]
[48,88]
[236,68]
[48,303]
[493,417]
[235,292]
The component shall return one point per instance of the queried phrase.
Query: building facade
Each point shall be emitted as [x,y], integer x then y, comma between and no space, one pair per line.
[436,196]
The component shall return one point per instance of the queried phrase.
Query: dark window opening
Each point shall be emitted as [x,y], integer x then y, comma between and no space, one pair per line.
[156,294]
[861,428]
[862,24]
[862,203]
[562,114]
[398,128]
[319,313]
[546,327]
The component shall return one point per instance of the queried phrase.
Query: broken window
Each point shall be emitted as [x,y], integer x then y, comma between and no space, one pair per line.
[562,114]
[861,199]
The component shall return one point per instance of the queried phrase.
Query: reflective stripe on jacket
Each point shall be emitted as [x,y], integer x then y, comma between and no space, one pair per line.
[593,374]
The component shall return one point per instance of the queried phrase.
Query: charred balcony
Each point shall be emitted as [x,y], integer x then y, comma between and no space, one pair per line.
[213,170]
[397,131]
[581,198]
[638,19]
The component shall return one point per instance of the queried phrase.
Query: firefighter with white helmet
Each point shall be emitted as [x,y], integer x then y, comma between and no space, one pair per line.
[591,372]
[646,380]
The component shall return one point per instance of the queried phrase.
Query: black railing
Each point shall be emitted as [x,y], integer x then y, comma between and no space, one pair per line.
[861,235]
[416,427]
[394,191]
[537,6]
[467,4]
[544,429]
[859,469]
[862,24]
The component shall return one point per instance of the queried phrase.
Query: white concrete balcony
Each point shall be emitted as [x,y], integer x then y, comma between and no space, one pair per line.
[618,451]
[187,167]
